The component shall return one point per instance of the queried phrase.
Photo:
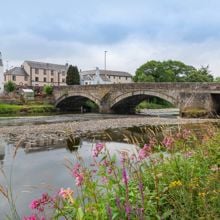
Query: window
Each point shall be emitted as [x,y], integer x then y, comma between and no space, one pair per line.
[45,72]
[51,79]
[36,71]
[14,78]
[63,80]
[36,79]
[25,78]
[126,78]
[52,72]
[45,79]
[119,77]
[63,73]
[114,77]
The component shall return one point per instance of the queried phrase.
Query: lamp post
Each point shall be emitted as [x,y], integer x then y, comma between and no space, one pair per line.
[105,52]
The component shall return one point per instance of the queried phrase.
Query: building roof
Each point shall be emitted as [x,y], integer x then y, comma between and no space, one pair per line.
[89,77]
[16,71]
[48,66]
[107,72]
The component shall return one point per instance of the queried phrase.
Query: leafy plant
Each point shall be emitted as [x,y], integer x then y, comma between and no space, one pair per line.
[48,89]
[10,86]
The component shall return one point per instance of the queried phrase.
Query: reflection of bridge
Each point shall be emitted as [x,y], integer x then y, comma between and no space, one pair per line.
[124,97]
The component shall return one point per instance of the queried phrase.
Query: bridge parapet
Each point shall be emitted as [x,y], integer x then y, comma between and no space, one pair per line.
[183,95]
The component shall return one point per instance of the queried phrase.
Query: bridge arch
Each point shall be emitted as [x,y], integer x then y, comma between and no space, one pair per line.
[73,101]
[127,102]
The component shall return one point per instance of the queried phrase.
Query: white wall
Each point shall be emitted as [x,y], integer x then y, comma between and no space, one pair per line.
[1,79]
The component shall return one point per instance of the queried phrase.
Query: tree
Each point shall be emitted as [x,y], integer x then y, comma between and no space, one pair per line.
[171,71]
[201,75]
[48,89]
[9,86]
[217,79]
[72,77]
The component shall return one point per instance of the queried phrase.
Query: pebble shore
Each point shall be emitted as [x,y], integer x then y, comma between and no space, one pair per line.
[59,131]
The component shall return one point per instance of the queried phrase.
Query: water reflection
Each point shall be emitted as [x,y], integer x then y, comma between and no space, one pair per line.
[40,169]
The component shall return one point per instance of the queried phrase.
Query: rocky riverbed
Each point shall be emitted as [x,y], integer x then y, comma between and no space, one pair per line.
[47,134]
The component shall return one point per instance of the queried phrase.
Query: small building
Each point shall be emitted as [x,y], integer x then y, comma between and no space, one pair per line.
[97,76]
[28,94]
[18,75]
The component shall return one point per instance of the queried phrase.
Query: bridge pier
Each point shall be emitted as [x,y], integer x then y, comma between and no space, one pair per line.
[196,105]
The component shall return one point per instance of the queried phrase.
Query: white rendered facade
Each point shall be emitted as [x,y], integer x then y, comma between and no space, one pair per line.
[1,75]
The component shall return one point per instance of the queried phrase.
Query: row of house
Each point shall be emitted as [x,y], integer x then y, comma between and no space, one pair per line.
[32,73]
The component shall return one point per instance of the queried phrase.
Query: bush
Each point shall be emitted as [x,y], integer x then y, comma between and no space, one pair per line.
[48,90]
[10,86]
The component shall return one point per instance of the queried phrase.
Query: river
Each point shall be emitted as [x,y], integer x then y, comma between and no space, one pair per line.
[40,165]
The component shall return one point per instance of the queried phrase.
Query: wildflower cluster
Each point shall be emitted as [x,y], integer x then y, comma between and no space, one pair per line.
[175,184]
[137,186]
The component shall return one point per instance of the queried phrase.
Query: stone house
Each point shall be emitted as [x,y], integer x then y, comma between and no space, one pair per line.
[97,76]
[32,73]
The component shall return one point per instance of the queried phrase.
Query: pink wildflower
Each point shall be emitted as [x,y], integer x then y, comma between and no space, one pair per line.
[97,149]
[77,173]
[124,176]
[65,193]
[32,217]
[144,152]
[39,204]
[168,142]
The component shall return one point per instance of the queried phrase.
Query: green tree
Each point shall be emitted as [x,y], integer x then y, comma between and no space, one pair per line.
[171,71]
[201,75]
[9,86]
[48,89]
[217,79]
[72,77]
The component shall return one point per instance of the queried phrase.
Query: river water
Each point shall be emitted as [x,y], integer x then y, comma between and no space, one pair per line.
[34,172]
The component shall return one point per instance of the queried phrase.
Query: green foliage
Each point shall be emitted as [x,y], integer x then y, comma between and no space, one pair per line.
[11,109]
[73,77]
[171,71]
[217,79]
[177,178]
[10,86]
[154,105]
[48,89]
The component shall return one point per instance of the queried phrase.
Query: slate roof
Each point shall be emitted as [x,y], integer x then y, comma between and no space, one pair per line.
[107,72]
[88,77]
[48,66]
[16,71]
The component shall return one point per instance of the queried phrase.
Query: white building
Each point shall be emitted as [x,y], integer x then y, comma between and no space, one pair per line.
[1,75]
[97,76]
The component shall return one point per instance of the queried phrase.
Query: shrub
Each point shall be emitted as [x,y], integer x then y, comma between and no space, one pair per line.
[10,86]
[48,90]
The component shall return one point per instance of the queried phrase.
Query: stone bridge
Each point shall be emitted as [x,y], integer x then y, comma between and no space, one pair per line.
[123,98]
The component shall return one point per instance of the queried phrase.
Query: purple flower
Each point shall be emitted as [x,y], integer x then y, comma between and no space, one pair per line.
[124,176]
[78,174]
[144,152]
[168,142]
[97,149]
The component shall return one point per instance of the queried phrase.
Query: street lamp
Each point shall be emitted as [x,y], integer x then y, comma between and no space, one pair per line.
[105,52]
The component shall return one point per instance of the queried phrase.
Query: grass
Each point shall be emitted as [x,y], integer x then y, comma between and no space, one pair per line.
[153,105]
[28,109]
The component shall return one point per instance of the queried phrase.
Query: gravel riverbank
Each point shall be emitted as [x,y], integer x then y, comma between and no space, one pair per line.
[59,131]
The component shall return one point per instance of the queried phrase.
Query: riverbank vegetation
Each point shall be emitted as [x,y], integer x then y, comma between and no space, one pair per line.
[26,109]
[173,177]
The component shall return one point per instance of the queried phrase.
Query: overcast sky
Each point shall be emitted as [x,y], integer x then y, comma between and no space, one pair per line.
[132,31]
